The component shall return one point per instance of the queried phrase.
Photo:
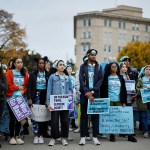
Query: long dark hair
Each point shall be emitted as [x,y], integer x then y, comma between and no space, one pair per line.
[11,60]
[37,62]
[22,71]
[108,69]
[1,73]
[54,70]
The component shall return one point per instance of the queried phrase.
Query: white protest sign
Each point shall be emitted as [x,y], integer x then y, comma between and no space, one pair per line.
[61,102]
[40,113]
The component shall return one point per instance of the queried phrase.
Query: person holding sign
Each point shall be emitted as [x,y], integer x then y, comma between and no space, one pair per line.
[124,73]
[73,80]
[17,86]
[37,88]
[59,83]
[143,83]
[90,77]
[113,87]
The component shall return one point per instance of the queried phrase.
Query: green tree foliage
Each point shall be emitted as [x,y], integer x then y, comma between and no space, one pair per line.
[72,64]
[28,60]
[11,35]
[139,52]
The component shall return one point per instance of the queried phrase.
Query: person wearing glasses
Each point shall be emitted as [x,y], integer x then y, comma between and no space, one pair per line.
[113,87]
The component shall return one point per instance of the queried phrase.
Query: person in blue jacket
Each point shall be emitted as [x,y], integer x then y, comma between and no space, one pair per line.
[90,77]
[59,83]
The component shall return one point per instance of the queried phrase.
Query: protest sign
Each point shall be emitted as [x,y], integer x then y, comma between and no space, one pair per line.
[61,102]
[99,106]
[130,86]
[40,113]
[19,107]
[145,93]
[119,120]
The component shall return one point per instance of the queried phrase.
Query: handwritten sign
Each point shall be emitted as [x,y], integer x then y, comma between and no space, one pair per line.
[119,120]
[145,93]
[61,102]
[99,106]
[130,86]
[40,113]
[19,107]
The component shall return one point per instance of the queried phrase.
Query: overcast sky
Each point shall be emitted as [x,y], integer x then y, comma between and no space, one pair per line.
[49,23]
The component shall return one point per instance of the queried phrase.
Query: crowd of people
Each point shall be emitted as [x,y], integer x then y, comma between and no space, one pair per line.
[91,81]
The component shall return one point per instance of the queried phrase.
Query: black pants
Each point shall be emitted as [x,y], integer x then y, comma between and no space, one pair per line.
[14,125]
[84,122]
[64,119]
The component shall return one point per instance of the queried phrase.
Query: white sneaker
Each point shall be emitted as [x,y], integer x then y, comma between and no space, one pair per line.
[12,141]
[145,135]
[70,129]
[41,140]
[36,140]
[19,141]
[77,130]
[82,141]
[64,142]
[96,141]
[51,142]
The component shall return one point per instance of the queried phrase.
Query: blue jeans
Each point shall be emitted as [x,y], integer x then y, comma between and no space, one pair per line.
[144,120]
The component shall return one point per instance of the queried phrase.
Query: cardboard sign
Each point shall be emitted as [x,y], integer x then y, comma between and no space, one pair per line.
[40,113]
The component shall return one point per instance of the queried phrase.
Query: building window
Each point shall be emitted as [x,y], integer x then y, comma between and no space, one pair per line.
[87,22]
[135,27]
[86,46]
[84,35]
[147,28]
[89,35]
[107,48]
[135,37]
[107,23]
[119,48]
[84,22]
[122,24]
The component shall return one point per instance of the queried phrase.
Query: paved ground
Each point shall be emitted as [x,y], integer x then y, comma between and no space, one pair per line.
[120,144]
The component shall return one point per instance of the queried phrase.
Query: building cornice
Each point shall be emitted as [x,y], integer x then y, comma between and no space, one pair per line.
[113,16]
